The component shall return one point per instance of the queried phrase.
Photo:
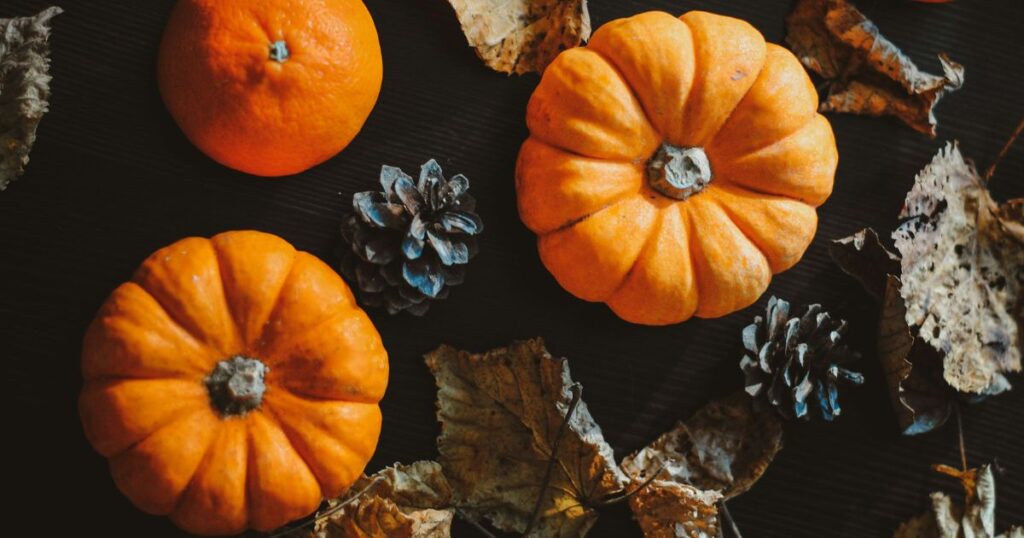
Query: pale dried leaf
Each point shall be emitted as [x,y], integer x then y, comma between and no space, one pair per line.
[867,73]
[24,88]
[666,509]
[500,412]
[946,519]
[406,501]
[863,257]
[726,446]
[519,36]
[962,272]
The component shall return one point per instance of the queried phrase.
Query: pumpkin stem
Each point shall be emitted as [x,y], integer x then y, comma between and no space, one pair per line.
[679,172]
[236,385]
[279,51]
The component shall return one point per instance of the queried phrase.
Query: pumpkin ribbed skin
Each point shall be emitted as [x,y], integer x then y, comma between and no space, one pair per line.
[145,404]
[701,80]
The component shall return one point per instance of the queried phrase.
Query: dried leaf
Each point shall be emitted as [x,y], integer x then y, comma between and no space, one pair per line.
[519,36]
[962,272]
[921,398]
[24,88]
[863,257]
[867,73]
[726,447]
[976,519]
[500,413]
[406,501]
[666,509]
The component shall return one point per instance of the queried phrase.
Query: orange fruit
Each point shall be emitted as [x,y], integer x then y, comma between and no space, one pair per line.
[270,87]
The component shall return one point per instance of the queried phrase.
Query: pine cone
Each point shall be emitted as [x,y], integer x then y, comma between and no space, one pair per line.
[411,241]
[788,361]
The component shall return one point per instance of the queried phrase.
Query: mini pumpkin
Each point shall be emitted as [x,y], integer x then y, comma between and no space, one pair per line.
[233,383]
[270,87]
[673,165]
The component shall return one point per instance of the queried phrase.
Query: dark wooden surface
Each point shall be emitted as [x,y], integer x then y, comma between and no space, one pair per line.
[112,179]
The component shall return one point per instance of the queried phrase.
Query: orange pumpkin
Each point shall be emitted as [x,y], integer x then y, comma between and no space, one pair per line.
[270,87]
[233,383]
[673,165]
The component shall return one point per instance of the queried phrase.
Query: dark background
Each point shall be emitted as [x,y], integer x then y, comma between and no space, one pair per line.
[112,179]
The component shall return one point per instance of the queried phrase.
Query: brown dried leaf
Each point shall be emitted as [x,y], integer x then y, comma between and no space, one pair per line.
[519,36]
[976,519]
[406,501]
[867,73]
[500,412]
[24,88]
[666,509]
[913,369]
[962,272]
[726,447]
[863,257]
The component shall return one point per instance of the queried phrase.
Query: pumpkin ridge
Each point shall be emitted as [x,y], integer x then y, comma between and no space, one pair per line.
[180,415]
[203,463]
[727,210]
[699,82]
[655,229]
[684,214]
[171,315]
[342,308]
[757,149]
[643,109]
[271,416]
[273,307]
[170,319]
[224,295]
[575,221]
[181,494]
[104,385]
[723,170]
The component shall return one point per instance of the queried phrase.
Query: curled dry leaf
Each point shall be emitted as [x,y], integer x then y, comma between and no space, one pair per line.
[726,446]
[402,501]
[922,399]
[666,509]
[863,257]
[519,36]
[501,413]
[718,453]
[920,396]
[974,519]
[963,272]
[867,73]
[24,88]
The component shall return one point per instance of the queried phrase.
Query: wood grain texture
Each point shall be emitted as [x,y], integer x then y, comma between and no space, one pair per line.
[112,179]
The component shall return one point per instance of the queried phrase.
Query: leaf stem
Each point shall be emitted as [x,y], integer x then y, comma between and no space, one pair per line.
[1006,149]
[727,518]
[960,437]
[625,496]
[330,511]
[577,392]
[480,528]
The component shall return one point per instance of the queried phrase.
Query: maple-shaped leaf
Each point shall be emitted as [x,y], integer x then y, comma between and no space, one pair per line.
[401,501]
[867,73]
[502,415]
[725,447]
[519,36]
[975,518]
[24,88]
[962,260]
